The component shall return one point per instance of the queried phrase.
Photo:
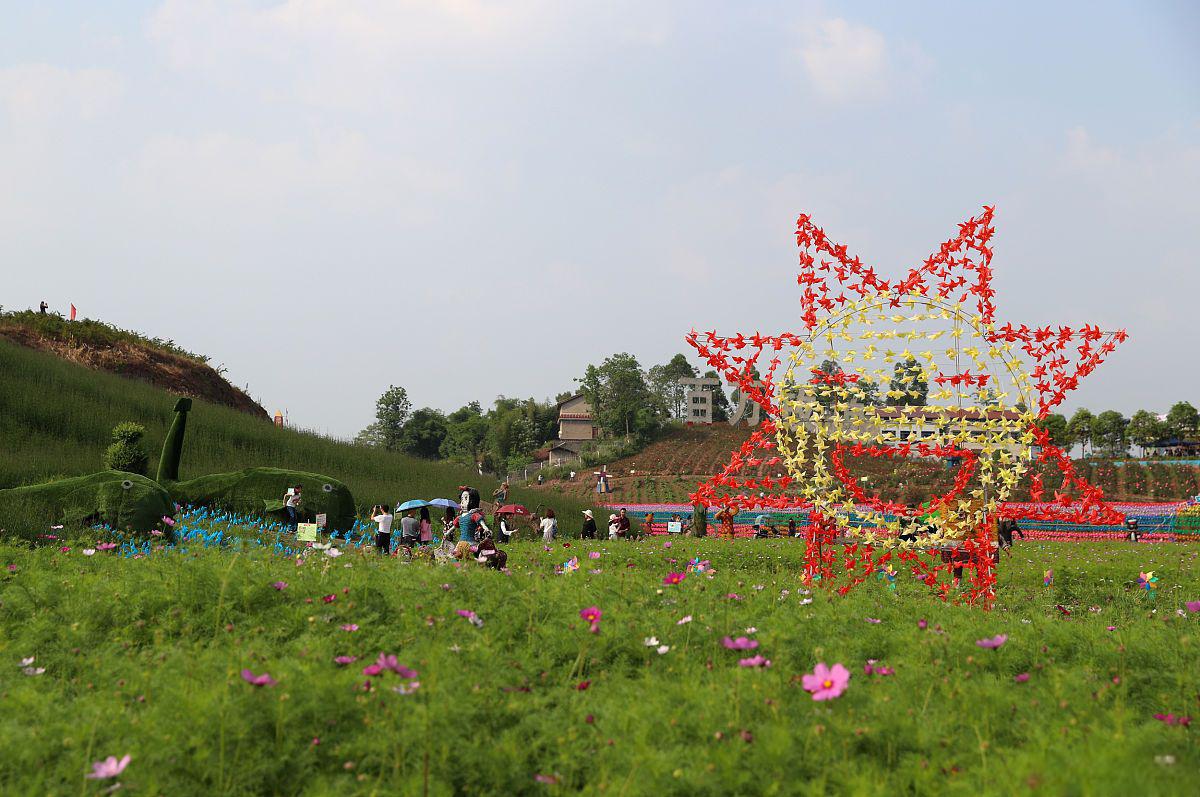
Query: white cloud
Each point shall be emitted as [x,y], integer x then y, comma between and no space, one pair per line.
[844,61]
[33,95]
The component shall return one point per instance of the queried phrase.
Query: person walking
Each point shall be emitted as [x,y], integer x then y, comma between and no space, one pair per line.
[589,526]
[425,527]
[549,527]
[292,502]
[383,536]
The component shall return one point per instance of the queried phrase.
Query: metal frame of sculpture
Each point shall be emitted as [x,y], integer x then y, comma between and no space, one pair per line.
[971,390]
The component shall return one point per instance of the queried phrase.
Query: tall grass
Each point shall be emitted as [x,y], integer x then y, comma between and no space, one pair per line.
[142,656]
[56,419]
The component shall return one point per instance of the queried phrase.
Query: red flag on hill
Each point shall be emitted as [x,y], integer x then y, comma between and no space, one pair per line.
[72,312]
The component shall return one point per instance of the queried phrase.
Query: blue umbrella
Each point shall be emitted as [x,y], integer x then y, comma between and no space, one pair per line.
[446,502]
[414,504]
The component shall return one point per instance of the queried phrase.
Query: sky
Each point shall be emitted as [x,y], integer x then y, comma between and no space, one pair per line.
[473,199]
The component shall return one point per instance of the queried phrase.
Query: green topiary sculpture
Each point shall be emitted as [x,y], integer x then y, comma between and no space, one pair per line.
[127,452]
[118,499]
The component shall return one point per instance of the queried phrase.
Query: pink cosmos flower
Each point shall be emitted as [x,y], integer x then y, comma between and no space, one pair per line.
[582,686]
[349,627]
[446,587]
[329,598]
[407,688]
[1021,678]
[109,767]
[471,616]
[826,683]
[872,667]
[873,620]
[733,596]
[922,624]
[684,620]
[592,614]
[667,544]
[12,568]
[741,643]
[1171,719]
[65,549]
[257,680]
[1112,628]
[1193,606]
[992,643]
[674,578]
[170,521]
[594,555]
[754,661]
[342,661]
[549,780]
[279,585]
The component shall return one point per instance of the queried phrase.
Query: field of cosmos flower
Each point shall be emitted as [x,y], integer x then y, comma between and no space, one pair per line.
[689,667]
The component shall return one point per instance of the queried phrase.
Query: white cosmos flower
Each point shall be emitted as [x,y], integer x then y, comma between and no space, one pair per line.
[650,641]
[333,553]
[28,661]
[89,551]
[684,620]
[663,649]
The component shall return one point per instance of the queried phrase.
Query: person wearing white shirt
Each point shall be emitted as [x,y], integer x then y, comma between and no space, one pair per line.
[549,527]
[383,536]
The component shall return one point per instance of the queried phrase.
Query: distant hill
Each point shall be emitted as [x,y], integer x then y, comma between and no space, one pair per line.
[104,347]
[56,418]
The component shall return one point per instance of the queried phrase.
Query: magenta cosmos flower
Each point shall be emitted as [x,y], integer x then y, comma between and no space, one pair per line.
[992,642]
[342,661]
[279,585]
[741,643]
[592,614]
[1193,606]
[257,680]
[754,661]
[674,578]
[826,683]
[388,661]
[109,767]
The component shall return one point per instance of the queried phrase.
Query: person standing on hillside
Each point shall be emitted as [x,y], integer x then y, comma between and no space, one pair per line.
[724,519]
[614,525]
[549,527]
[506,530]
[292,501]
[589,526]
[43,307]
[383,537]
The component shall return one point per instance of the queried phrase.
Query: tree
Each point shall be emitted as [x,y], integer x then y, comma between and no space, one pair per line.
[424,433]
[909,386]
[1080,427]
[1182,420]
[127,452]
[868,392]
[1108,431]
[466,433]
[664,381]
[621,400]
[1145,429]
[1057,426]
[391,411]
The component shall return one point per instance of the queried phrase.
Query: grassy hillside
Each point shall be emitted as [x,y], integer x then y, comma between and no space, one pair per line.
[56,418]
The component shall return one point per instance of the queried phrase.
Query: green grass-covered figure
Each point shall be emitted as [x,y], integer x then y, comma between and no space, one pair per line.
[253,491]
[115,498]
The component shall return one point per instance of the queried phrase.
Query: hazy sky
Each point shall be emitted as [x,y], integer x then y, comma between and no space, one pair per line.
[470,199]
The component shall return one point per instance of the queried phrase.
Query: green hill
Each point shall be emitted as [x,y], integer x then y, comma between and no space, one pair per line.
[56,419]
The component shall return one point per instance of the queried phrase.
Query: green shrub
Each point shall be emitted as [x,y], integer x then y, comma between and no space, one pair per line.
[127,452]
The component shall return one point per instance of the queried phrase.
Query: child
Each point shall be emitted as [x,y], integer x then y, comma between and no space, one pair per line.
[383,537]
[614,527]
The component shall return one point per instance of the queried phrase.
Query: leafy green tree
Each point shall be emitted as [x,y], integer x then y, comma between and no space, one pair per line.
[1182,420]
[391,411]
[466,434]
[424,433]
[824,393]
[620,397]
[127,452]
[909,386]
[1080,427]
[1109,432]
[1060,433]
[664,381]
[1145,429]
[868,392]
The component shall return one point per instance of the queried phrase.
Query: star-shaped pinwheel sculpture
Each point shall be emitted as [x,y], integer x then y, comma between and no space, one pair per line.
[889,370]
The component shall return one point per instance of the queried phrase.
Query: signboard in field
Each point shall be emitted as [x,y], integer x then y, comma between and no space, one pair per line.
[321,521]
[306,532]
[675,527]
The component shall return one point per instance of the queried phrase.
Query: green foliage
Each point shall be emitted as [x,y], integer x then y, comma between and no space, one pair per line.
[260,492]
[86,332]
[424,433]
[1060,433]
[1108,432]
[1145,429]
[115,498]
[620,397]
[908,387]
[127,452]
[664,382]
[1080,427]
[391,412]
[161,642]
[602,452]
[1182,420]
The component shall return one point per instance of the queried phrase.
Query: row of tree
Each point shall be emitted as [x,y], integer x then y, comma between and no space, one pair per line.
[626,401]
[1110,433]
